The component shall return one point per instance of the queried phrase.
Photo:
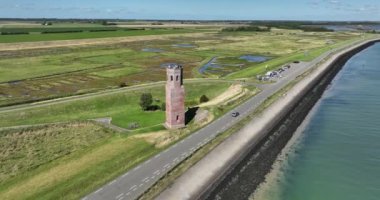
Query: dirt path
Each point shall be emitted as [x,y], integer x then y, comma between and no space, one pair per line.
[227,95]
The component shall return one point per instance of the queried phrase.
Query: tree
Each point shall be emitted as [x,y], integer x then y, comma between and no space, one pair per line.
[146,100]
[203,99]
[104,22]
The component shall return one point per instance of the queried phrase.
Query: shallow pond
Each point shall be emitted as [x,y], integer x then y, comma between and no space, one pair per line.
[154,50]
[212,64]
[254,58]
[185,45]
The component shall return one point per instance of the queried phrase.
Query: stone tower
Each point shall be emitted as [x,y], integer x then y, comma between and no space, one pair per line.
[175,97]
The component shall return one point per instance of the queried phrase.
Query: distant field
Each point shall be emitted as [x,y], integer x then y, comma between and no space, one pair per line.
[123,108]
[85,35]
[32,75]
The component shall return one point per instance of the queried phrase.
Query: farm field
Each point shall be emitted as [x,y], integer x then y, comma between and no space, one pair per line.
[32,75]
[81,33]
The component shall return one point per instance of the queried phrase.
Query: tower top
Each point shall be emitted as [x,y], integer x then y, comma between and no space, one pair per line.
[174,66]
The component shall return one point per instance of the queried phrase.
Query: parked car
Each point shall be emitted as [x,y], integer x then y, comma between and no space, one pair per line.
[235,114]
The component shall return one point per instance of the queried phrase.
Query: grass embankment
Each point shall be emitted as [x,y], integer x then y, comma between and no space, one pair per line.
[123,108]
[90,35]
[65,161]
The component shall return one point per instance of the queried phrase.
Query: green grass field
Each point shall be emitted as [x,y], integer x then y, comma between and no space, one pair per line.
[63,165]
[57,72]
[89,35]
[275,63]
[69,160]
[123,108]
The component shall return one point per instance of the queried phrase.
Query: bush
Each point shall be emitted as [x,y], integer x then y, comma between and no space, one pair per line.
[163,106]
[146,100]
[123,84]
[14,33]
[203,99]
[247,28]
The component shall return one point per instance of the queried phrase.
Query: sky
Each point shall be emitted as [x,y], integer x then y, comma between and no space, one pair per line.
[323,10]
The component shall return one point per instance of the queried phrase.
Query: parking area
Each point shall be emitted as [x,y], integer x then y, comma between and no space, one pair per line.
[275,75]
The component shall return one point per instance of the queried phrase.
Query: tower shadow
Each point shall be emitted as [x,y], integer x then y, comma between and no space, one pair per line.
[190,114]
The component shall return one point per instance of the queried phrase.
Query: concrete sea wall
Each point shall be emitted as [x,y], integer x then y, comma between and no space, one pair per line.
[235,168]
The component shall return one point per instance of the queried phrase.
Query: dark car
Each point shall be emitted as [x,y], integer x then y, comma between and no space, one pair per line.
[235,114]
[296,62]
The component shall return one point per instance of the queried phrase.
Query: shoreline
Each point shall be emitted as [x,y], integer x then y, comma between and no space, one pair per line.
[273,178]
[198,183]
[279,167]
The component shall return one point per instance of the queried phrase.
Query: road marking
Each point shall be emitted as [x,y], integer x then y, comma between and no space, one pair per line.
[133,187]
[158,155]
[152,177]
[145,179]
[184,154]
[193,149]
[120,198]
[120,195]
[127,194]
[125,174]
[148,161]
[138,167]
[176,160]
[112,182]
[141,184]
[157,172]
[167,165]
[98,190]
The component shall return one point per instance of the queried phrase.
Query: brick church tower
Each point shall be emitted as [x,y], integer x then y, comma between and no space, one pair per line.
[175,97]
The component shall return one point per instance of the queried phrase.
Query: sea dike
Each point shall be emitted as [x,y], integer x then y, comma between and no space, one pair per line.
[246,169]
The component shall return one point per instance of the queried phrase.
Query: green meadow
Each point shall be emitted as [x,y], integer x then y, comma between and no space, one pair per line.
[122,107]
[37,37]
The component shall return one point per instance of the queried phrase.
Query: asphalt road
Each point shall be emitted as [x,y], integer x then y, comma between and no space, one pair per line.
[136,181]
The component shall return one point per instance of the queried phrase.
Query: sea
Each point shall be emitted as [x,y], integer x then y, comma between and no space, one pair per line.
[335,154]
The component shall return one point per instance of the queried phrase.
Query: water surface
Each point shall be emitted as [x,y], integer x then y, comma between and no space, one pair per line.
[337,156]
[253,58]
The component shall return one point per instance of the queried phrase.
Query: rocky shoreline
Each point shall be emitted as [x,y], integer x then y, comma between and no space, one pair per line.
[250,172]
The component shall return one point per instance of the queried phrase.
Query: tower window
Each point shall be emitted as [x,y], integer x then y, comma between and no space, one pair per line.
[176,78]
[171,78]
[177,118]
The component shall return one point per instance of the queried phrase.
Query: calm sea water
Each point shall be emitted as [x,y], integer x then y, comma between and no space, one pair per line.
[337,156]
